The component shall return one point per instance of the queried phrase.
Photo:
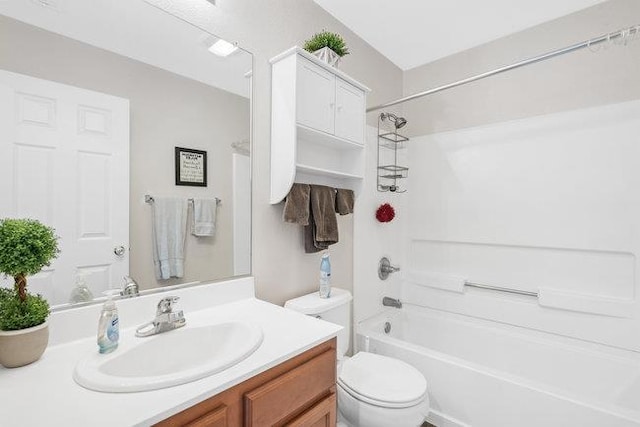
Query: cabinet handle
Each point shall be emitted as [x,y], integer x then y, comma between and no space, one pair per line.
[331,105]
[339,107]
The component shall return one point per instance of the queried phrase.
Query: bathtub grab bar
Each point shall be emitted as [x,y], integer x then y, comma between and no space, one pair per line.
[501,289]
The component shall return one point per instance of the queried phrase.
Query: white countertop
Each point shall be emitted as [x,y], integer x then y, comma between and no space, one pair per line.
[44,393]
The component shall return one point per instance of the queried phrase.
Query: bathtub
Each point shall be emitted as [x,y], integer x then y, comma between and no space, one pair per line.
[486,374]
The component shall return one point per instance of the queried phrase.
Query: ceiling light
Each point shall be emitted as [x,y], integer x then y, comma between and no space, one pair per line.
[222,48]
[48,4]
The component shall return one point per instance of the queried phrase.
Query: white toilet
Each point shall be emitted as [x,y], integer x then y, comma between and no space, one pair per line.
[373,390]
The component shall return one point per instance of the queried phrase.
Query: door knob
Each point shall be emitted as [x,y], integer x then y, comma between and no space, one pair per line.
[119,250]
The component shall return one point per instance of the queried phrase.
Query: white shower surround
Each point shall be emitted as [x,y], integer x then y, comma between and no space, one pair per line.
[547,204]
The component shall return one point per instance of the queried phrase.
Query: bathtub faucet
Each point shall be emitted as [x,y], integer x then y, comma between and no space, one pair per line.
[385,268]
[391,302]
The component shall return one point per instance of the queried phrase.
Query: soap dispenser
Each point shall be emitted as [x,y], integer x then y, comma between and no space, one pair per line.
[108,327]
[81,292]
[325,276]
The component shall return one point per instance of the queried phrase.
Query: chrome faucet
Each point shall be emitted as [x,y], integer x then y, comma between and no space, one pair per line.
[391,302]
[130,288]
[166,319]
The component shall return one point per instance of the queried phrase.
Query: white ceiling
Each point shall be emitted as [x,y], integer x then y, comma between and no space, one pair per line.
[137,30]
[414,32]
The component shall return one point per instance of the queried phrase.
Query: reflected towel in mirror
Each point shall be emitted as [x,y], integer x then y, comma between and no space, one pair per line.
[203,223]
[169,232]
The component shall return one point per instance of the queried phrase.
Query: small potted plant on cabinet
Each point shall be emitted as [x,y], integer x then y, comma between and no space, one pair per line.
[26,246]
[327,46]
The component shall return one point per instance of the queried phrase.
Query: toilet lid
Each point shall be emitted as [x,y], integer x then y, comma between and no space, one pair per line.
[382,381]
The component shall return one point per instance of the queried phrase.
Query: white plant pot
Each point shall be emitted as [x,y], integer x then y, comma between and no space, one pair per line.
[327,55]
[19,348]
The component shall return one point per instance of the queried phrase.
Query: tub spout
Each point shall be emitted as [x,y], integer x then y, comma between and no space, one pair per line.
[391,302]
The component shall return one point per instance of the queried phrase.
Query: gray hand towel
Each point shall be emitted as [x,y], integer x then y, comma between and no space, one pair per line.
[296,205]
[344,201]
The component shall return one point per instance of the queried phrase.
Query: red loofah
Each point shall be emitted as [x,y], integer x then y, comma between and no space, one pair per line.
[385,213]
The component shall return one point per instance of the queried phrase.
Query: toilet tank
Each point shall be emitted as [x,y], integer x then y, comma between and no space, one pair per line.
[335,309]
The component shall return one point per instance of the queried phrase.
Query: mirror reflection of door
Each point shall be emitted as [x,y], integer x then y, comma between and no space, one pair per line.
[241,213]
[65,146]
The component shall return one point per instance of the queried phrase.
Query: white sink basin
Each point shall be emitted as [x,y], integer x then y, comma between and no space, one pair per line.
[170,358]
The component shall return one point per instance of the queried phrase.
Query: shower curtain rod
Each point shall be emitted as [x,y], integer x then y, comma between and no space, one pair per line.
[623,33]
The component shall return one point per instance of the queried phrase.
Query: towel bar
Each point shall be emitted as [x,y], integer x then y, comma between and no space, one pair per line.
[149,199]
[501,289]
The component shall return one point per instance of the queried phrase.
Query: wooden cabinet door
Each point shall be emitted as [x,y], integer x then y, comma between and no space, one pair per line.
[350,112]
[315,96]
[323,414]
[279,400]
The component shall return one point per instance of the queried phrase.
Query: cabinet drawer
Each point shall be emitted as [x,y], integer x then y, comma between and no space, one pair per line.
[215,418]
[322,414]
[287,395]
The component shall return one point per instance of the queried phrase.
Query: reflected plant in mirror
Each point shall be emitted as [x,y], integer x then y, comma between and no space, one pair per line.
[93,104]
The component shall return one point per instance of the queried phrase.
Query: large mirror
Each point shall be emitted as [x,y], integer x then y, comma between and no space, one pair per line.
[127,130]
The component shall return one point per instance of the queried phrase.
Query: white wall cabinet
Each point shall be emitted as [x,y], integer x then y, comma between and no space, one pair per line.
[350,107]
[317,124]
[316,96]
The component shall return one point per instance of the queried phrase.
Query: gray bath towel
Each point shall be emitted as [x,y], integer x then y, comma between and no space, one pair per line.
[310,245]
[324,227]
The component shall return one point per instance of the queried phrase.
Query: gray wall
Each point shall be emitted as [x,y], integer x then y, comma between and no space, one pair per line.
[266,28]
[575,80]
[205,118]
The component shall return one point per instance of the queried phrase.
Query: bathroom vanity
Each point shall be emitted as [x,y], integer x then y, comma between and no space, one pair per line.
[288,380]
[298,392]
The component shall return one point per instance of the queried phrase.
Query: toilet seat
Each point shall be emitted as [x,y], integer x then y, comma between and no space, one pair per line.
[382,381]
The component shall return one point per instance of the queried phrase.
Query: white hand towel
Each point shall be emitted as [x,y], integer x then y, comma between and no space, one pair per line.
[169,233]
[204,217]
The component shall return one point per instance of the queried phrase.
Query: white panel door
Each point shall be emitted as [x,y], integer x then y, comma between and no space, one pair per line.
[349,112]
[315,96]
[64,160]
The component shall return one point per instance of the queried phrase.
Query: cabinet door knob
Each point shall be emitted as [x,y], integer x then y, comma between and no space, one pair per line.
[119,250]
[331,104]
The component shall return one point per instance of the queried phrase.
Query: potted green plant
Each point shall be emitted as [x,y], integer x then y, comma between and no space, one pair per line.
[327,46]
[26,246]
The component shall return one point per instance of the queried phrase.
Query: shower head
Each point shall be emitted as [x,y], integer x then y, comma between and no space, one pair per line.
[398,122]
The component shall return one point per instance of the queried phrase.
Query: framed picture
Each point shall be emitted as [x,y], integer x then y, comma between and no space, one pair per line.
[191,167]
